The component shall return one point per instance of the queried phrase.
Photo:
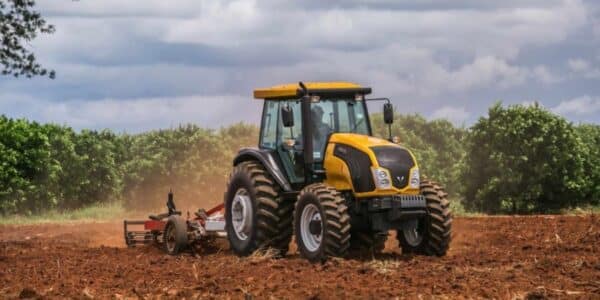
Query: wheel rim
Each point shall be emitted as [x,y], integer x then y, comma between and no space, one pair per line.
[170,238]
[311,241]
[241,214]
[412,233]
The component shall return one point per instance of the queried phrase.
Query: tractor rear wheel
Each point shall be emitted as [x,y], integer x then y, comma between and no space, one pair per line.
[256,215]
[321,223]
[175,236]
[430,235]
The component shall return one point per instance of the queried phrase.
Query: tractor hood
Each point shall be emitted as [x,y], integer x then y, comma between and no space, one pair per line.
[359,141]
[374,166]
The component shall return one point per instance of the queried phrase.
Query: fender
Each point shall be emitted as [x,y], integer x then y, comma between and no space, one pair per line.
[267,159]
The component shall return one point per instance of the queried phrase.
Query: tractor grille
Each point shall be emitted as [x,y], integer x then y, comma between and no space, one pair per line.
[397,160]
[359,165]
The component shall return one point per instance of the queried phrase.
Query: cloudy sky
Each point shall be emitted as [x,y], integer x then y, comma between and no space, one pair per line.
[139,65]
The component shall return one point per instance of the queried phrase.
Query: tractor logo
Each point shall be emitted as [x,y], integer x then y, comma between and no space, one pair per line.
[400,179]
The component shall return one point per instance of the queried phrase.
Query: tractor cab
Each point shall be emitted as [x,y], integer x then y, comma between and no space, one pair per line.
[299,120]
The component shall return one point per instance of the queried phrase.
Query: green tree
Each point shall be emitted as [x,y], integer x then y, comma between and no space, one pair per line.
[193,161]
[93,174]
[20,24]
[28,170]
[590,136]
[523,159]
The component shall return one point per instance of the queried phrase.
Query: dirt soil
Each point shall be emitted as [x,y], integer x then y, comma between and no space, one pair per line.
[491,257]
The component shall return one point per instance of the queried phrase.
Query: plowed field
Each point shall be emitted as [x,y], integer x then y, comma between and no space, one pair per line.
[490,257]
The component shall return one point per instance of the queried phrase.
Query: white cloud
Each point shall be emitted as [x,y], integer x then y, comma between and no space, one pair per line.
[584,68]
[543,75]
[373,33]
[499,32]
[414,72]
[456,115]
[218,23]
[584,105]
[485,71]
[578,64]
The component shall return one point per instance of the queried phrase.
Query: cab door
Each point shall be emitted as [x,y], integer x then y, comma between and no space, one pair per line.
[291,156]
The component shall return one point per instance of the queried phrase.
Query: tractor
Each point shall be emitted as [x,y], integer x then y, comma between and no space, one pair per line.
[320,175]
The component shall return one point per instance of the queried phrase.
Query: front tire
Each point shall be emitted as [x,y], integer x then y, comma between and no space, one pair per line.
[256,216]
[321,223]
[430,235]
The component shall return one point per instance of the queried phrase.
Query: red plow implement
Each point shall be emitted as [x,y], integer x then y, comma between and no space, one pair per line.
[174,232]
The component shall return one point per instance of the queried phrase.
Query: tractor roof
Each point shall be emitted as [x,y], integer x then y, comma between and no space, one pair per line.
[293,90]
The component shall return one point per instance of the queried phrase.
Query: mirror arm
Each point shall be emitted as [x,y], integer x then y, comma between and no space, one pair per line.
[387,101]
[390,133]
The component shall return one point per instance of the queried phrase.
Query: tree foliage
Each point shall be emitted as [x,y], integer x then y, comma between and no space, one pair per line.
[49,166]
[193,161]
[589,134]
[524,159]
[20,24]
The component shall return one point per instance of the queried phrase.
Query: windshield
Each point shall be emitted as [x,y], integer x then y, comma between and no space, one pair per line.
[340,115]
[336,115]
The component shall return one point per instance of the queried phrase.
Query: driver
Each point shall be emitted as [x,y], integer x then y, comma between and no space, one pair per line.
[320,129]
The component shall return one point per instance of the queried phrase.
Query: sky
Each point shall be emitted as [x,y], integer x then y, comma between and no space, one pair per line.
[133,66]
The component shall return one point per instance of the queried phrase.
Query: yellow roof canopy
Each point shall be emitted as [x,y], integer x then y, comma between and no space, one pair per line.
[293,90]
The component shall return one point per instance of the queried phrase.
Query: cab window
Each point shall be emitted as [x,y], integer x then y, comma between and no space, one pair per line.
[268,127]
[294,132]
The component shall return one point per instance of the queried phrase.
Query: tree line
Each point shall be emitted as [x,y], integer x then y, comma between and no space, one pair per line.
[49,166]
[518,159]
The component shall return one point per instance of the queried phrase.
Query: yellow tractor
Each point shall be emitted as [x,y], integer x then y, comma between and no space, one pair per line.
[320,175]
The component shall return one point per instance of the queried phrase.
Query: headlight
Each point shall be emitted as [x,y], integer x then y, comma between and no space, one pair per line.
[382,178]
[415,179]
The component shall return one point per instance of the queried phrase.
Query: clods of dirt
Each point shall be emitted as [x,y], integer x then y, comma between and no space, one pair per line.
[490,257]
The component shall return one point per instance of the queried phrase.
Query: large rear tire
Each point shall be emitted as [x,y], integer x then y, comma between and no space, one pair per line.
[321,223]
[256,216]
[430,235]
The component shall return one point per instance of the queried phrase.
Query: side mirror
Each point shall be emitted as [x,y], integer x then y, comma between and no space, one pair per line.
[388,113]
[287,116]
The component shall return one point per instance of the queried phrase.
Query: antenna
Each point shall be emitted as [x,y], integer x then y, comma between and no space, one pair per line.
[303,87]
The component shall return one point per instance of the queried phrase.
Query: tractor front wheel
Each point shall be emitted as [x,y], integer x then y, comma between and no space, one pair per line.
[321,223]
[429,235]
